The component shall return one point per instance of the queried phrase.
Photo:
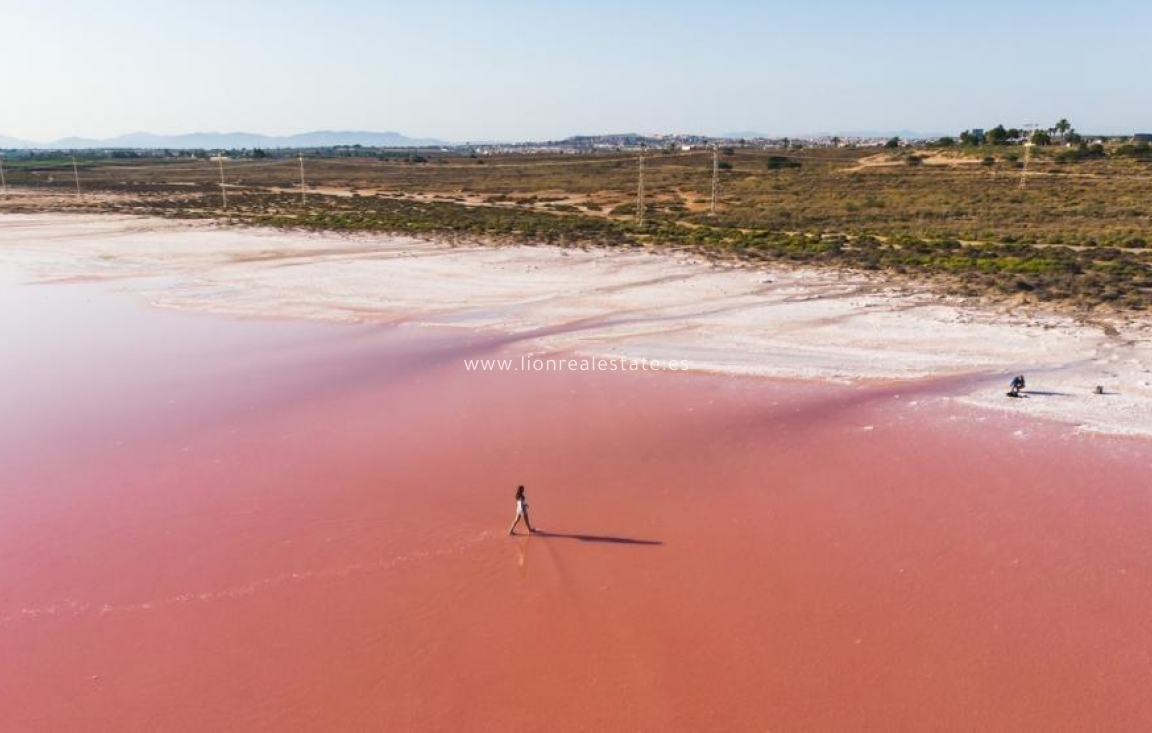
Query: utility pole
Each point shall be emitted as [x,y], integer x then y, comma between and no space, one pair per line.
[715,178]
[223,191]
[640,190]
[303,187]
[1029,131]
[3,181]
[76,175]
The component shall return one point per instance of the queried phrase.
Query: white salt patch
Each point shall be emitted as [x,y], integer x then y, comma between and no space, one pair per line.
[807,324]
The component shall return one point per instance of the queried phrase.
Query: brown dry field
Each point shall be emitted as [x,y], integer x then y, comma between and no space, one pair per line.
[1058,231]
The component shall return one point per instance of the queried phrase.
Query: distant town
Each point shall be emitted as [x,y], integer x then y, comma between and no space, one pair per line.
[327,144]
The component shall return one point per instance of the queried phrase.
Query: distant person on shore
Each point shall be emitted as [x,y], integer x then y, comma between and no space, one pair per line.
[1016,386]
[521,512]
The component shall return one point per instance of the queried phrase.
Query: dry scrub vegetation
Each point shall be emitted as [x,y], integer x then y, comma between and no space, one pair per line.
[1076,234]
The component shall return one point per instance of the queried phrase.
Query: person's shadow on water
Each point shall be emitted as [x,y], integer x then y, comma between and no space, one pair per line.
[594,538]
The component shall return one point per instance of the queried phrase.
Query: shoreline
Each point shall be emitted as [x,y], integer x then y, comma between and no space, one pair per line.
[790,323]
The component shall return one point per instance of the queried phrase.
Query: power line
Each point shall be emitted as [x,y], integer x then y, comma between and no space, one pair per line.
[640,190]
[76,175]
[223,190]
[303,186]
[567,162]
[245,166]
[715,178]
[1029,131]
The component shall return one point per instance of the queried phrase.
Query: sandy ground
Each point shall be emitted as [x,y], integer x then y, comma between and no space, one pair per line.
[784,323]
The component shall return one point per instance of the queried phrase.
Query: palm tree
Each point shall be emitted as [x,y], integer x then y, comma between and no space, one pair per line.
[1062,127]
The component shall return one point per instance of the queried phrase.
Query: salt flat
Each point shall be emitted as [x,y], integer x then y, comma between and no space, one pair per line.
[638,304]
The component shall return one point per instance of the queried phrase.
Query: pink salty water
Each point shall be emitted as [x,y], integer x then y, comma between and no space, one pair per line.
[212,524]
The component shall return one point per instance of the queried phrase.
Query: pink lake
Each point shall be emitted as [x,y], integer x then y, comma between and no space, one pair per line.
[209,523]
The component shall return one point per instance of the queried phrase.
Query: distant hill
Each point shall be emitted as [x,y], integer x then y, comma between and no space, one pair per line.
[873,134]
[746,135]
[331,138]
[11,142]
[231,140]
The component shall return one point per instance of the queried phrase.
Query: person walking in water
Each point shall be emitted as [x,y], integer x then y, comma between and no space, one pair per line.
[1016,386]
[521,512]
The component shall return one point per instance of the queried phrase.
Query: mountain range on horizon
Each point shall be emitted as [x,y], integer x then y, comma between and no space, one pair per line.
[228,140]
[331,138]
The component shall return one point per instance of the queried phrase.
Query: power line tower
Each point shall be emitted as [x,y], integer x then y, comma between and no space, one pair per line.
[715,178]
[223,190]
[303,186]
[76,176]
[1029,131]
[640,190]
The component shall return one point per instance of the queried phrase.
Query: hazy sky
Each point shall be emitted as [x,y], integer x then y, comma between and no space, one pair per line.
[534,70]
